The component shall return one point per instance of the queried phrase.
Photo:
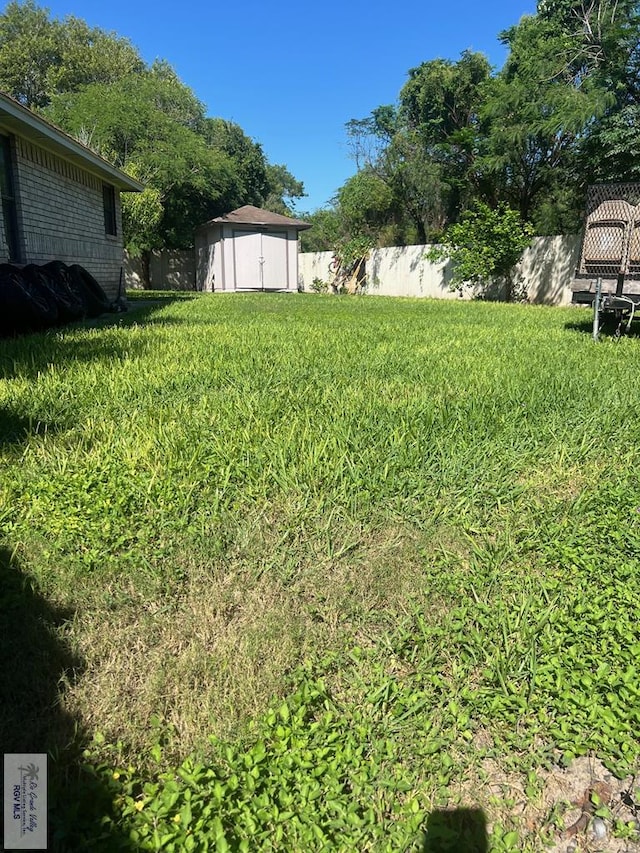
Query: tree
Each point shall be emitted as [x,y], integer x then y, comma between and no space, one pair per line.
[121,118]
[143,119]
[425,149]
[563,112]
[150,122]
[30,47]
[365,203]
[325,231]
[559,113]
[90,55]
[250,163]
[485,244]
[282,189]
[40,57]
[535,114]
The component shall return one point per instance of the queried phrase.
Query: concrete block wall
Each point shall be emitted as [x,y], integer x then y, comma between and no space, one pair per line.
[545,271]
[61,216]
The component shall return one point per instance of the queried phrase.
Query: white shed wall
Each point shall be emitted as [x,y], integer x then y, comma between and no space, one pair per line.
[219,267]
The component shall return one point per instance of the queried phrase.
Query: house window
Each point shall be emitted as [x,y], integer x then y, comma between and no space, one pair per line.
[109,203]
[7,193]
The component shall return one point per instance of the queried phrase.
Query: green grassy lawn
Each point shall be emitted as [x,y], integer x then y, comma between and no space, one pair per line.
[300,572]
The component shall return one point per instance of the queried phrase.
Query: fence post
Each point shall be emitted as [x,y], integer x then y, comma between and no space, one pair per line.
[596,310]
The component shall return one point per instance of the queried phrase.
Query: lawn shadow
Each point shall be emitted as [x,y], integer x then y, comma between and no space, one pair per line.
[608,326]
[456,831]
[36,665]
[29,355]
[15,429]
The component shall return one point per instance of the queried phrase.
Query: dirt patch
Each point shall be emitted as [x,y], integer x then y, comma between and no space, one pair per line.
[582,808]
[585,805]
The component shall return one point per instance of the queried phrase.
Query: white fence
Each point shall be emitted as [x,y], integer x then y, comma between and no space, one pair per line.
[544,272]
[168,270]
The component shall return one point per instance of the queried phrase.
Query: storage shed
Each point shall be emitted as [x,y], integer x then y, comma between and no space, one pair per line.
[248,249]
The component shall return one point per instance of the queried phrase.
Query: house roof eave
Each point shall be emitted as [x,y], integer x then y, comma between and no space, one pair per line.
[16,119]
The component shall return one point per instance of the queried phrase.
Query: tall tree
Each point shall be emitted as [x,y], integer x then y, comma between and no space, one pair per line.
[143,119]
[425,149]
[30,47]
[40,57]
[535,113]
[560,110]
[149,123]
[247,155]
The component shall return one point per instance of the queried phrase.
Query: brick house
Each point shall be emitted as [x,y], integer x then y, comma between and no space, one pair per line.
[60,200]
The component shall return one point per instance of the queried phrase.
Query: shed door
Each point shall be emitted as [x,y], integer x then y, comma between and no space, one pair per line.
[246,256]
[274,260]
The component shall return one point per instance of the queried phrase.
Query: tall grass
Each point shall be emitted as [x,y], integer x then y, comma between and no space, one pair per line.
[217,491]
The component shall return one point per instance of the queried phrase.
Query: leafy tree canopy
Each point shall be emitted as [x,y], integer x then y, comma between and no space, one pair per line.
[40,57]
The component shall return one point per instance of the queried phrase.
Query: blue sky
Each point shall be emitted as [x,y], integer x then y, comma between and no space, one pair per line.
[291,75]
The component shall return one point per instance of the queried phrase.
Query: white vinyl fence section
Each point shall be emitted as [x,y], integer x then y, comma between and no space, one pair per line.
[548,267]
[168,270]
[544,272]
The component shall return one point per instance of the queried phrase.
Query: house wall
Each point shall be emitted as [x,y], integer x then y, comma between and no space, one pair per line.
[61,216]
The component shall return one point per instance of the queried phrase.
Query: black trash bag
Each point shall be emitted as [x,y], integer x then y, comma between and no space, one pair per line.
[20,310]
[39,285]
[70,302]
[95,298]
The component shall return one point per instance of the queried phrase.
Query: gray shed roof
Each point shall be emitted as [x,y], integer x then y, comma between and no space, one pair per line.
[250,215]
[17,119]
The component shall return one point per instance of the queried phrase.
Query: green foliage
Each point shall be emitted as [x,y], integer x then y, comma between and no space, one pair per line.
[150,123]
[424,151]
[142,215]
[441,99]
[29,49]
[305,781]
[364,203]
[128,118]
[247,155]
[485,244]
[349,252]
[40,57]
[324,233]
[535,115]
[282,189]
[319,286]
[559,115]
